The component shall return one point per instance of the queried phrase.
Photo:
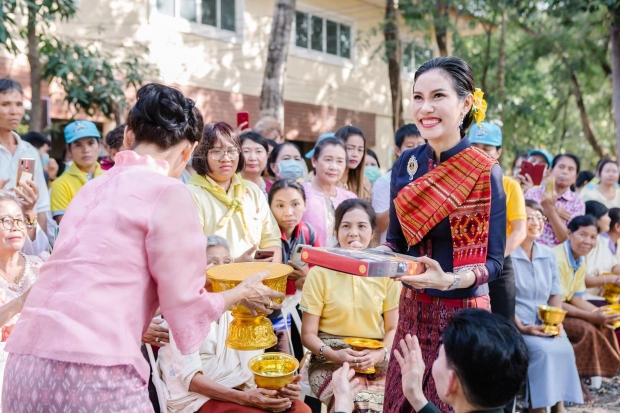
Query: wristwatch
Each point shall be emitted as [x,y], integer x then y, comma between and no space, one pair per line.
[457,281]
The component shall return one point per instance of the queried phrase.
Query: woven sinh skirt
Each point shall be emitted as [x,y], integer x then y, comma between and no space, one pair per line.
[426,317]
[596,348]
[33,384]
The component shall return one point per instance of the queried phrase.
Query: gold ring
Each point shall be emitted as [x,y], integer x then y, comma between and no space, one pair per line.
[270,306]
[355,360]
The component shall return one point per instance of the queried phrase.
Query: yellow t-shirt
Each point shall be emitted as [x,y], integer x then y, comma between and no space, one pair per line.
[348,305]
[67,185]
[573,282]
[515,202]
[262,226]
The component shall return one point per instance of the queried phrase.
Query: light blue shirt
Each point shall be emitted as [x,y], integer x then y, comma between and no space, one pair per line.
[535,281]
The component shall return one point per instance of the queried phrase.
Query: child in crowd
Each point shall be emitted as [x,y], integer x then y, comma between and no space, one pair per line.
[83,143]
[338,305]
[482,364]
[113,144]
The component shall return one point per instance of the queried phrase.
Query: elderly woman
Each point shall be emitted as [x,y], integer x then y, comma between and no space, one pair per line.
[17,271]
[130,242]
[552,376]
[216,379]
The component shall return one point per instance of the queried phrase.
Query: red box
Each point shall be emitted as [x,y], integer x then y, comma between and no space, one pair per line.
[362,262]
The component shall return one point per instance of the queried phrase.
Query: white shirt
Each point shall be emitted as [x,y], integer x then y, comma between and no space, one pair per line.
[8,170]
[381,198]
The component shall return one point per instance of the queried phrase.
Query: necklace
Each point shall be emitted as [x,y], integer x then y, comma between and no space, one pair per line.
[21,264]
[332,198]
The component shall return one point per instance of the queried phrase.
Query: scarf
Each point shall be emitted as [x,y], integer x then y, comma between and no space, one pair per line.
[459,188]
[235,204]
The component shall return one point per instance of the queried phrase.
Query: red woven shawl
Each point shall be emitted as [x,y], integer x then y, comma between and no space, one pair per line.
[459,188]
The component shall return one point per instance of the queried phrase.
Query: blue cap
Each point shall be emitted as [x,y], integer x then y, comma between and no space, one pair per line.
[543,153]
[485,134]
[81,129]
[310,153]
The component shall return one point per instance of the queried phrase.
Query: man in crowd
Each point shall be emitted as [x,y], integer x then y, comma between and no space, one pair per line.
[13,148]
[535,157]
[83,143]
[407,137]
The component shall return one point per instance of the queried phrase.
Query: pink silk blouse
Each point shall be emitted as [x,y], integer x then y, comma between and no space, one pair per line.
[130,242]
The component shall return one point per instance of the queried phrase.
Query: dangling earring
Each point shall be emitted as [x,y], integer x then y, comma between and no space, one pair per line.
[462,120]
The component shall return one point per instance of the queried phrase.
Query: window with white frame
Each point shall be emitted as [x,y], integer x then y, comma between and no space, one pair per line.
[414,55]
[216,13]
[322,35]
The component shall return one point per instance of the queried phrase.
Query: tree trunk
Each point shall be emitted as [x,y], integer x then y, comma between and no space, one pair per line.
[441,27]
[36,112]
[487,56]
[272,93]
[585,120]
[615,65]
[501,66]
[394,57]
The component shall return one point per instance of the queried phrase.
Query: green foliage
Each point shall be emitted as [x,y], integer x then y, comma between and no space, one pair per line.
[92,81]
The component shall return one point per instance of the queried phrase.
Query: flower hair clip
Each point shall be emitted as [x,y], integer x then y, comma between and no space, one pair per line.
[479,108]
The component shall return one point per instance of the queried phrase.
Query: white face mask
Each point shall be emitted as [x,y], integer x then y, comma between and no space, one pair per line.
[292,169]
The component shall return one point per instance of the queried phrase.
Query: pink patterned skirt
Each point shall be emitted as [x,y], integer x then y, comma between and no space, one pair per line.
[33,384]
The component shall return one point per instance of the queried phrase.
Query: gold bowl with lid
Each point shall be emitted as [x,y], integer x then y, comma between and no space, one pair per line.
[551,317]
[246,331]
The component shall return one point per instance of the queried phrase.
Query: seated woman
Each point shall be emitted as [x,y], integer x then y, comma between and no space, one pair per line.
[18,271]
[552,375]
[589,330]
[338,305]
[601,264]
[216,379]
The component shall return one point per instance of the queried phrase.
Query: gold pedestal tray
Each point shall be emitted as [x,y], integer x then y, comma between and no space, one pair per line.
[551,318]
[248,332]
[611,293]
[612,309]
[359,344]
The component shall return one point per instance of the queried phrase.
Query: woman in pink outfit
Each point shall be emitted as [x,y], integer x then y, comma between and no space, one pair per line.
[130,243]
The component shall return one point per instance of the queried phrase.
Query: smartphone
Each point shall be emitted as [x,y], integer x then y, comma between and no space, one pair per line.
[243,117]
[262,254]
[296,257]
[535,172]
[25,170]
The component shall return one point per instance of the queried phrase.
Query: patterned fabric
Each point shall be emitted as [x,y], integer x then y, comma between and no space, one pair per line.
[569,200]
[216,406]
[320,371]
[35,384]
[596,348]
[426,317]
[460,189]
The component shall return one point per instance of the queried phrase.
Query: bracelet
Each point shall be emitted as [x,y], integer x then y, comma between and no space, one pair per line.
[387,354]
[30,223]
[321,351]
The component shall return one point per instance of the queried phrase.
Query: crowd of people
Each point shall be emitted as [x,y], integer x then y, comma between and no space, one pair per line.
[131,234]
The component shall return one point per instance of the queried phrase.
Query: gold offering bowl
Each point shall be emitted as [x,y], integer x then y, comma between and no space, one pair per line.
[248,332]
[612,309]
[551,317]
[359,344]
[611,293]
[272,371]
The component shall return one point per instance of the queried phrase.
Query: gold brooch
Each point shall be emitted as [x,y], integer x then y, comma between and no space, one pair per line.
[412,167]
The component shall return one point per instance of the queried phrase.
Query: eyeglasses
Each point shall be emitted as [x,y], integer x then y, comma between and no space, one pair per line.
[8,222]
[219,154]
[539,218]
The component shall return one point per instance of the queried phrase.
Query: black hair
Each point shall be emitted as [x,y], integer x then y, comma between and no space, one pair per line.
[349,205]
[583,178]
[596,209]
[534,205]
[598,164]
[164,117]
[254,137]
[36,139]
[114,138]
[320,145]
[462,80]
[557,158]
[283,184]
[8,85]
[519,156]
[272,143]
[406,130]
[372,153]
[602,164]
[582,221]
[276,152]
[488,355]
[614,215]
[213,132]
[355,179]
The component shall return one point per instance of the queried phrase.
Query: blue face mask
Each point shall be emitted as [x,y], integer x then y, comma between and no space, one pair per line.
[372,173]
[45,158]
[292,169]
